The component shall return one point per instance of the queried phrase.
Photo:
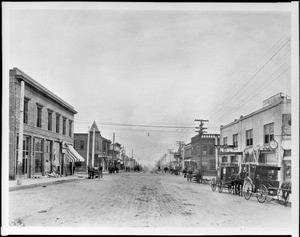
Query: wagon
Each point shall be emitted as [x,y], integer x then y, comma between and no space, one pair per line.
[262,182]
[224,178]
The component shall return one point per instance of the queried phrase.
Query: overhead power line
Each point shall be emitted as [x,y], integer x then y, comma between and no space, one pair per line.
[251,78]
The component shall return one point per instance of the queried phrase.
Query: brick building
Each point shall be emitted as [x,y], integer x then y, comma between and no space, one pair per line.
[46,139]
[203,152]
[262,137]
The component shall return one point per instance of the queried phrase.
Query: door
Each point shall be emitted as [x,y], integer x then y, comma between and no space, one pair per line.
[25,156]
[48,156]
[38,156]
[56,158]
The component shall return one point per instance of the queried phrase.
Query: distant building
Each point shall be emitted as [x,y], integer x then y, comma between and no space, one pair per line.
[98,149]
[45,123]
[262,137]
[203,152]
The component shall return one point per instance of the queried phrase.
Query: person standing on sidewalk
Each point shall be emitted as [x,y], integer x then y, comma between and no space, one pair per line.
[100,172]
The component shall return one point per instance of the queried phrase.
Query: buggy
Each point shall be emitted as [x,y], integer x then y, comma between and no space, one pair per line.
[224,177]
[262,181]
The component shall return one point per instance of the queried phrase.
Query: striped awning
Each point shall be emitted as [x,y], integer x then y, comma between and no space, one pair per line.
[73,155]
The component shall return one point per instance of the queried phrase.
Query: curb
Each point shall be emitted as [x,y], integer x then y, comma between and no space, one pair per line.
[26,186]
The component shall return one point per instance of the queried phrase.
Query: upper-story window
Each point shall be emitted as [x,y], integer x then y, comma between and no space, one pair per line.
[225,141]
[97,146]
[57,122]
[50,112]
[25,111]
[64,125]
[204,150]
[70,128]
[249,137]
[235,140]
[269,132]
[39,116]
[211,150]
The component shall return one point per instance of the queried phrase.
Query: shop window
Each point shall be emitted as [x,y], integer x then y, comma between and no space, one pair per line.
[249,137]
[235,140]
[212,164]
[38,154]
[269,132]
[286,120]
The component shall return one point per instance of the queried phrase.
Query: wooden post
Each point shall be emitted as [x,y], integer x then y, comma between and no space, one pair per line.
[88,150]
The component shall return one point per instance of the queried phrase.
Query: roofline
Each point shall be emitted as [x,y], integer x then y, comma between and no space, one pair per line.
[22,75]
[253,113]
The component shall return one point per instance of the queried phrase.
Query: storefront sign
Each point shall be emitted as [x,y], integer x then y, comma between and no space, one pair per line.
[225,146]
[272,100]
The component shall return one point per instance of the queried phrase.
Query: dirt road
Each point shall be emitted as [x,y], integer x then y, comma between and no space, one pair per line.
[140,200]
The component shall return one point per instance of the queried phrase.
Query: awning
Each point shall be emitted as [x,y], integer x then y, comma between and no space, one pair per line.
[73,155]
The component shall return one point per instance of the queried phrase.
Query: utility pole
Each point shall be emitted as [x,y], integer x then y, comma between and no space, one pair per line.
[20,142]
[201,132]
[88,150]
[113,155]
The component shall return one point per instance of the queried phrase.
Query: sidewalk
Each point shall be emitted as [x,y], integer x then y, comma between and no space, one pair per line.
[43,181]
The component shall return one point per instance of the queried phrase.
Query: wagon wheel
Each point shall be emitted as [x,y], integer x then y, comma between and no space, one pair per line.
[229,189]
[283,199]
[220,186]
[213,184]
[247,190]
[262,193]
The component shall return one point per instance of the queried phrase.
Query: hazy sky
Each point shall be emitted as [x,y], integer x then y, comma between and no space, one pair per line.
[154,67]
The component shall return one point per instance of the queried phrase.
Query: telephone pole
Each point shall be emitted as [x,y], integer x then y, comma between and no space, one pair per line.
[201,132]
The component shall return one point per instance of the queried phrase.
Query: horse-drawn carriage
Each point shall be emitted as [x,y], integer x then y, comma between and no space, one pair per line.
[228,176]
[262,182]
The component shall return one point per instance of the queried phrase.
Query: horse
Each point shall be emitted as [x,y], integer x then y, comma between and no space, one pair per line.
[237,183]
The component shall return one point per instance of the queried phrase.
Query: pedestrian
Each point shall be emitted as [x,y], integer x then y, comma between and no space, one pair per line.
[100,172]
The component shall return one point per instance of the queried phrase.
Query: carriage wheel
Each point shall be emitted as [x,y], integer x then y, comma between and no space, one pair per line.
[283,199]
[220,186]
[230,189]
[262,193]
[213,184]
[247,190]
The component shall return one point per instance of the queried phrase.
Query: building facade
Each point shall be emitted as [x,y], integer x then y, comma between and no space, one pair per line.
[203,152]
[40,129]
[262,137]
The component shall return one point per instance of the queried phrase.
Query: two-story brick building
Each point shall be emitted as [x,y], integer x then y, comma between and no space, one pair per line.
[262,137]
[40,129]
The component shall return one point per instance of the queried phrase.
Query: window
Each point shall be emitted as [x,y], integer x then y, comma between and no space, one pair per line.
[286,119]
[64,125]
[97,146]
[57,122]
[50,120]
[224,159]
[204,150]
[249,137]
[81,144]
[287,153]
[225,141]
[269,132]
[39,116]
[235,140]
[70,128]
[211,150]
[212,164]
[25,112]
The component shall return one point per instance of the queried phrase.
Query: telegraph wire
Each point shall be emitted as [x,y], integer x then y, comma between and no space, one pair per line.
[251,78]
[268,70]
[256,93]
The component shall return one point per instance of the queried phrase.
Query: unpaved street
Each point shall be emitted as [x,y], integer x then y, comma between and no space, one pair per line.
[140,200]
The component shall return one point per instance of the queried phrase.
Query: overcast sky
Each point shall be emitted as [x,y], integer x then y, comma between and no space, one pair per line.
[154,67]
